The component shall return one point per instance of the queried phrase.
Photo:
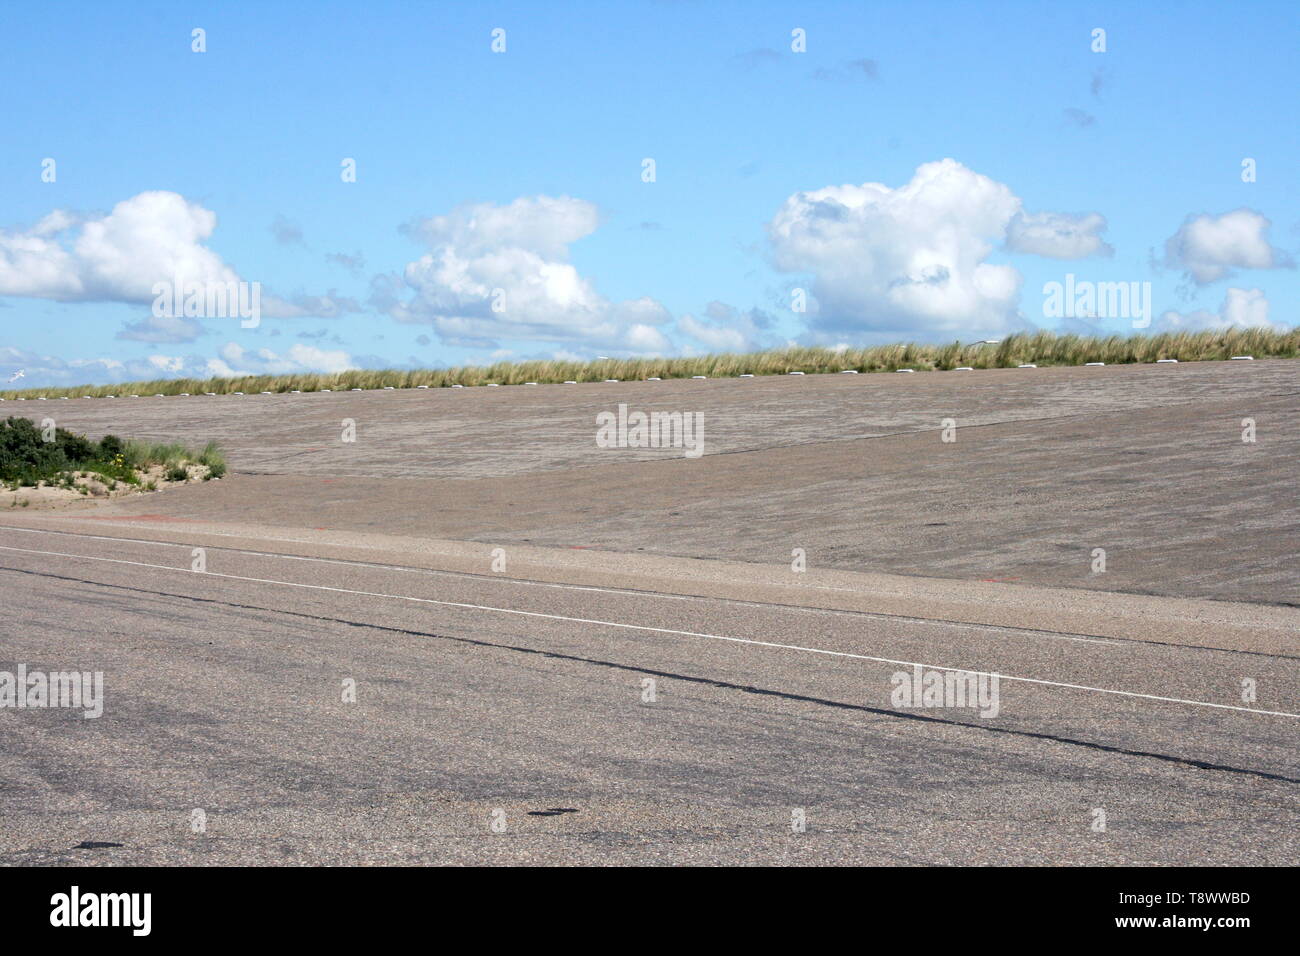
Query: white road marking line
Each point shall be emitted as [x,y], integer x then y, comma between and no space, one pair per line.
[941,622]
[663,630]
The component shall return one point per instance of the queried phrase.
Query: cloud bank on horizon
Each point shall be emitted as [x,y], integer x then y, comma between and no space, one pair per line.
[821,246]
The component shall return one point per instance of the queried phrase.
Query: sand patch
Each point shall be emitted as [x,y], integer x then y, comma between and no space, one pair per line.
[78,489]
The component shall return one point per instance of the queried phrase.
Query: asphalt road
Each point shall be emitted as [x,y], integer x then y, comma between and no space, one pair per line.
[647,678]
[487,699]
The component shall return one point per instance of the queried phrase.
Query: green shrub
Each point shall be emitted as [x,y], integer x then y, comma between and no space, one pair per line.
[111,445]
[26,458]
[214,458]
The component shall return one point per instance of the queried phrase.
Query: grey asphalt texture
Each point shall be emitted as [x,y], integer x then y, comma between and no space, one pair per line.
[520,698]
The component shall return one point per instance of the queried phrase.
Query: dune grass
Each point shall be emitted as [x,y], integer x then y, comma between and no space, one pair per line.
[172,456]
[1038,348]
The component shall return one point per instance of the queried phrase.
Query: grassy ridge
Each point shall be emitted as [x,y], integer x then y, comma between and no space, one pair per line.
[1039,348]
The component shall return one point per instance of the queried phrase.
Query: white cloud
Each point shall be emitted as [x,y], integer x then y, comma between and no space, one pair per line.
[516,258]
[547,225]
[1245,307]
[234,359]
[646,340]
[1058,235]
[167,363]
[716,337]
[1241,308]
[152,237]
[148,238]
[906,260]
[1208,247]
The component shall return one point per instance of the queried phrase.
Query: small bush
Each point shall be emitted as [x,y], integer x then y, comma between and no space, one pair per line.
[214,458]
[27,459]
[111,445]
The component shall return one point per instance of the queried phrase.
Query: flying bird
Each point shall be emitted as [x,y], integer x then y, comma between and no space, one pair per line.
[16,375]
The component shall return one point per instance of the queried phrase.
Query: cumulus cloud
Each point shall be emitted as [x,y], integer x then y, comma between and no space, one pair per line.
[1241,308]
[905,260]
[1208,247]
[152,237]
[148,238]
[502,271]
[914,260]
[646,340]
[234,359]
[1058,235]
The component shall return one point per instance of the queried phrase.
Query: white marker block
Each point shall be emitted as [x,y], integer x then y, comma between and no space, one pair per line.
[908,370]
[963,368]
[1093,364]
[746,375]
[1166,361]
[1242,358]
[796,373]
[1027,366]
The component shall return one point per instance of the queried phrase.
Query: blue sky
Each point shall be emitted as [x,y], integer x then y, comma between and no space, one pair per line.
[515,179]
